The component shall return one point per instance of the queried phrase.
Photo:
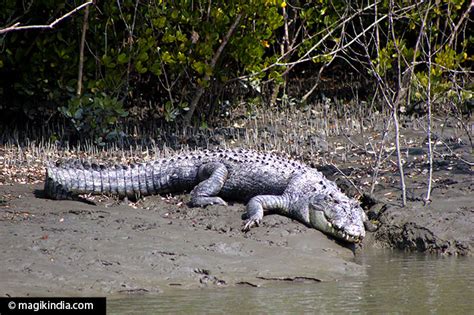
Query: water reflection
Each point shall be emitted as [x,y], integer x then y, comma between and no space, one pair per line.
[417,283]
[394,282]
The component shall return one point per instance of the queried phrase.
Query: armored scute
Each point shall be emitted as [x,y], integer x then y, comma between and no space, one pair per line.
[266,181]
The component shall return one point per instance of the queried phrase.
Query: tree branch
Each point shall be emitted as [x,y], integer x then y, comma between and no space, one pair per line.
[18,27]
[81,52]
[207,77]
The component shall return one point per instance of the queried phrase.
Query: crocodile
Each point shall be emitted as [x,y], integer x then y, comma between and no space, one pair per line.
[267,182]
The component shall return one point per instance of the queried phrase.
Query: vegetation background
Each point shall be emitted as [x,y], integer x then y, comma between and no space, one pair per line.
[114,63]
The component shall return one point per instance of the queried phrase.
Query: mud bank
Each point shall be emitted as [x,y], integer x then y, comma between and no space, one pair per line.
[114,247]
[72,248]
[444,227]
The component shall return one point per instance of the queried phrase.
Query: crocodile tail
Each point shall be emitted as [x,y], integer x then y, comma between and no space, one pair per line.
[69,180]
[54,187]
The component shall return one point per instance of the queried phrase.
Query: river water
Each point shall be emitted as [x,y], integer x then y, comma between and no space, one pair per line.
[394,282]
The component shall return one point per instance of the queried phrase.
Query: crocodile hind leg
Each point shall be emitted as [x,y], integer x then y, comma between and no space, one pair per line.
[205,193]
[259,204]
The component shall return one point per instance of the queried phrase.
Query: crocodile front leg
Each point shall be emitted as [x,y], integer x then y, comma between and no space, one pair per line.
[259,204]
[205,193]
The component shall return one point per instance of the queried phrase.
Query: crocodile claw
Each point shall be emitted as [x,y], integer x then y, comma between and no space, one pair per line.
[203,201]
[251,223]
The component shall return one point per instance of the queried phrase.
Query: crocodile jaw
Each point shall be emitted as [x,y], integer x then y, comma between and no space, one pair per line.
[319,221]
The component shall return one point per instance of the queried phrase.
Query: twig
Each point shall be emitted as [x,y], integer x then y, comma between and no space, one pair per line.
[306,57]
[207,77]
[428,104]
[461,20]
[17,27]
[411,72]
[318,79]
[130,30]
[346,177]
[395,112]
[392,102]
[330,31]
[358,146]
[453,154]
[81,52]
[378,161]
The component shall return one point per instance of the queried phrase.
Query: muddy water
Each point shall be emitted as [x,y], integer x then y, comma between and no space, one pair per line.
[394,282]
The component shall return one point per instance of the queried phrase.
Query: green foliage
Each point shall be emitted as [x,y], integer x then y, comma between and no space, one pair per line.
[95,116]
[441,84]
[160,52]
[167,45]
[427,28]
[171,112]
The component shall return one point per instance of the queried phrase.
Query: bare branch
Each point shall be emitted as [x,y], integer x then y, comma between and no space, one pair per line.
[81,52]
[428,105]
[454,33]
[337,50]
[330,31]
[18,27]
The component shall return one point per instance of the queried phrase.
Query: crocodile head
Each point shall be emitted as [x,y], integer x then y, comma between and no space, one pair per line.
[337,216]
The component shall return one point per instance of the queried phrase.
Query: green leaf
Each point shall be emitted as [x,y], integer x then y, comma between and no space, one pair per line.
[199,66]
[156,69]
[181,37]
[181,57]
[122,58]
[140,68]
[143,56]
[167,58]
[160,22]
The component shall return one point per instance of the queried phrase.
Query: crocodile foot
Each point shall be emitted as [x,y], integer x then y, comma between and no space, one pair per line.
[201,201]
[254,220]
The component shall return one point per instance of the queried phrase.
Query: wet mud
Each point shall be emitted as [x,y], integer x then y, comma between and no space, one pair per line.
[72,248]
